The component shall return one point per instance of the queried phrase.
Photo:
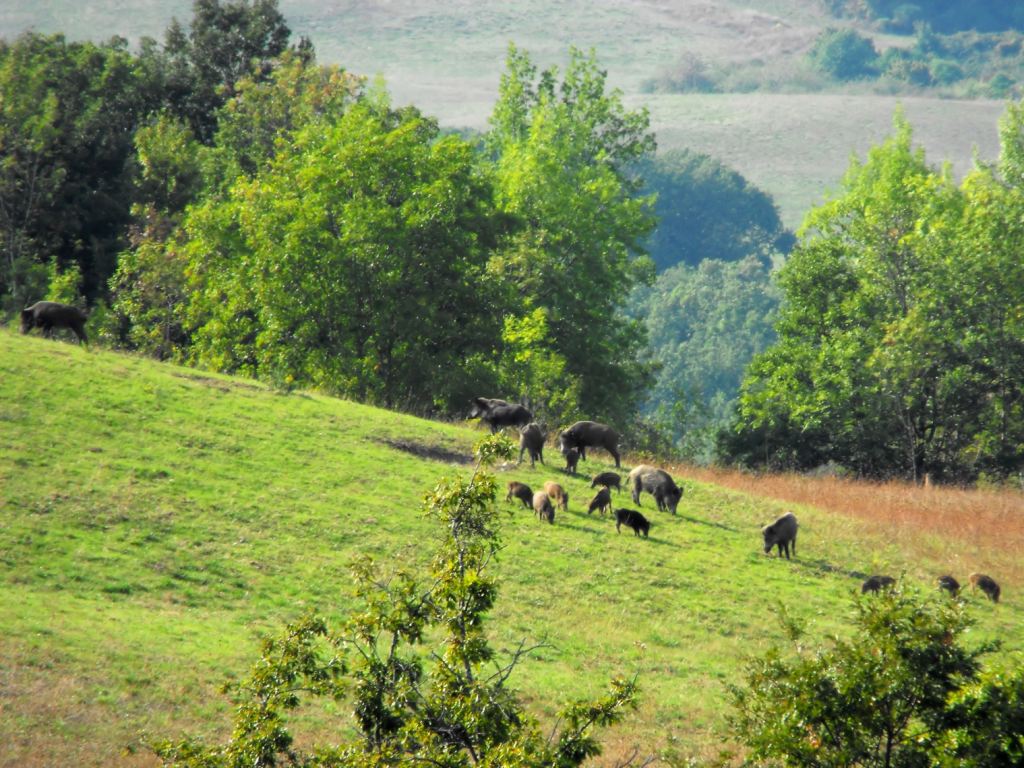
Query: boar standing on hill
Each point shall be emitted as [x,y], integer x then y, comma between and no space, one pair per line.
[877,583]
[587,434]
[632,519]
[531,438]
[497,414]
[572,458]
[557,494]
[602,501]
[542,506]
[49,315]
[986,584]
[949,584]
[658,483]
[608,480]
[782,533]
[520,491]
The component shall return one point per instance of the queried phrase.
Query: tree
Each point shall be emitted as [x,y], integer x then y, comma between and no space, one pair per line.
[450,707]
[706,210]
[902,691]
[844,54]
[562,150]
[355,262]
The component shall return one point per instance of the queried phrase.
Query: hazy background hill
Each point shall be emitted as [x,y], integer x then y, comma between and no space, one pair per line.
[447,57]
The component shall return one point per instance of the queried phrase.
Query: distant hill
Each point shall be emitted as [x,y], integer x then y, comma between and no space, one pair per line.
[447,57]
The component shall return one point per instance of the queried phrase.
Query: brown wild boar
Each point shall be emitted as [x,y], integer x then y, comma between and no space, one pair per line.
[520,491]
[986,584]
[782,533]
[542,506]
[602,501]
[557,494]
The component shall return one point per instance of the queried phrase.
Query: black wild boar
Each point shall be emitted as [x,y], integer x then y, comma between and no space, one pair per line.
[876,583]
[782,533]
[520,491]
[49,315]
[572,458]
[632,519]
[986,584]
[557,494]
[602,501]
[587,434]
[658,483]
[542,506]
[949,584]
[608,480]
[497,414]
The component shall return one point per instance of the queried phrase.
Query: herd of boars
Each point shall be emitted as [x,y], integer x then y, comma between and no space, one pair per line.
[573,443]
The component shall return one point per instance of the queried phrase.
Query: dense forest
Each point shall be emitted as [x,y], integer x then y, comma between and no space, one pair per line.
[221,199]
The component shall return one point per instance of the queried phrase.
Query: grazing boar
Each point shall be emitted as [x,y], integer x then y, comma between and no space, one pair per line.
[557,494]
[520,491]
[572,458]
[876,583]
[602,501]
[542,506]
[782,533]
[658,483]
[587,434]
[497,414]
[986,584]
[608,480]
[949,584]
[49,315]
[632,519]
[531,438]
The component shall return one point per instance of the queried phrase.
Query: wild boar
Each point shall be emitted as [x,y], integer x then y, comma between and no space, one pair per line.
[50,314]
[986,584]
[632,519]
[531,438]
[587,434]
[602,501]
[782,533]
[572,458]
[658,483]
[542,506]
[608,480]
[949,584]
[520,491]
[876,583]
[497,414]
[557,494]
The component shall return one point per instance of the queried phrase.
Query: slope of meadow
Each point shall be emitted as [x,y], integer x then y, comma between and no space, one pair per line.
[447,58]
[155,520]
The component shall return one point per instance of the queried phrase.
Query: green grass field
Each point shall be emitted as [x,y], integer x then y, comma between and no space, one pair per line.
[155,520]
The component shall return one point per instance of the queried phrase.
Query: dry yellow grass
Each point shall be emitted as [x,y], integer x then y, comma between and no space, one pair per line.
[984,526]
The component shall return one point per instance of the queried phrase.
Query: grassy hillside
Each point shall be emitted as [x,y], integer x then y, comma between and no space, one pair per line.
[155,520]
[447,57]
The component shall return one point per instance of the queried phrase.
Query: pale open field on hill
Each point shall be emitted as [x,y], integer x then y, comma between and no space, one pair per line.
[155,520]
[447,57]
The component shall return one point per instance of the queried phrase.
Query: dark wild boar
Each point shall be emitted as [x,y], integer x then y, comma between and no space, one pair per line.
[497,414]
[632,519]
[608,480]
[949,584]
[781,533]
[520,491]
[589,434]
[877,583]
[531,438]
[658,483]
[49,315]
[572,458]
[602,501]
[986,584]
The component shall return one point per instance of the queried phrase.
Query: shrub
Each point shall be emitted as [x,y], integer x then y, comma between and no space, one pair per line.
[844,54]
